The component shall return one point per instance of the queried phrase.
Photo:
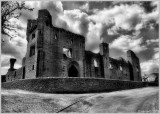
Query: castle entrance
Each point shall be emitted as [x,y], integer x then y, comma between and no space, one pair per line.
[73,72]
[73,69]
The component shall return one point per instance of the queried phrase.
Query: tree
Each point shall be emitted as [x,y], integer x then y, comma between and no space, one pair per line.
[9,10]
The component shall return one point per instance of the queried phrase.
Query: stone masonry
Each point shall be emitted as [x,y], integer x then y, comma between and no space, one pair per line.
[55,52]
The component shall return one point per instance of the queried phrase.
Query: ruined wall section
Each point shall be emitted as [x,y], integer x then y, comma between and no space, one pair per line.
[76,45]
[134,66]
[119,69]
[10,76]
[19,73]
[104,52]
[93,65]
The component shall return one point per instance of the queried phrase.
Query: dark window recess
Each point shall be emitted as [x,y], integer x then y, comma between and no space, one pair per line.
[32,67]
[55,37]
[40,32]
[33,35]
[137,69]
[72,41]
[32,50]
[47,23]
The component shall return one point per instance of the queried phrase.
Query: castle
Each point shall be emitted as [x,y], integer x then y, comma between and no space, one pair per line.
[55,52]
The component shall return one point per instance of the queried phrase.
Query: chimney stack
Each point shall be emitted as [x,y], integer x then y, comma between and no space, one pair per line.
[12,62]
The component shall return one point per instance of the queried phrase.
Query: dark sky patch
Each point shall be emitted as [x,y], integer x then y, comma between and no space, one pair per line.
[148,7]
[70,5]
[100,4]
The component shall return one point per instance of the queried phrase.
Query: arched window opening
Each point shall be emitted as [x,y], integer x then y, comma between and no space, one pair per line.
[120,68]
[95,63]
[110,66]
[55,37]
[73,72]
[67,52]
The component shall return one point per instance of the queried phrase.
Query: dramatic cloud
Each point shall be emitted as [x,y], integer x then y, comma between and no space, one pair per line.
[151,66]
[93,36]
[128,43]
[124,25]
[76,20]
[123,16]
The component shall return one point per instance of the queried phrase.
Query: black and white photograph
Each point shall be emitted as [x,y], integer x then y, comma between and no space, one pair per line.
[79,56]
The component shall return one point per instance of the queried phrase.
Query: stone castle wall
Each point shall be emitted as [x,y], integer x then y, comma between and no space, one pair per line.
[72,85]
[47,56]
[119,69]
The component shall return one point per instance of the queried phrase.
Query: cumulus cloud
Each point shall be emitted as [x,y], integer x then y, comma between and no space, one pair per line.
[152,41]
[16,47]
[85,7]
[151,66]
[128,43]
[93,36]
[124,16]
[76,20]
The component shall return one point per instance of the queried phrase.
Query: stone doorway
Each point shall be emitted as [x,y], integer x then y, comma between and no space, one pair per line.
[72,71]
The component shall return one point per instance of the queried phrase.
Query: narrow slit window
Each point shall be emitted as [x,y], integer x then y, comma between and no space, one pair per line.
[55,37]
[121,69]
[33,35]
[71,41]
[137,69]
[95,63]
[33,67]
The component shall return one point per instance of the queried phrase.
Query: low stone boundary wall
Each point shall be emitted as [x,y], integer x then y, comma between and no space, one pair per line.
[71,85]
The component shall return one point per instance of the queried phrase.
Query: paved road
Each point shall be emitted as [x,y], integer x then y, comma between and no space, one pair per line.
[135,100]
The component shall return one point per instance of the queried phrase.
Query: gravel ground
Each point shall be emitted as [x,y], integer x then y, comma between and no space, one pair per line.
[135,100]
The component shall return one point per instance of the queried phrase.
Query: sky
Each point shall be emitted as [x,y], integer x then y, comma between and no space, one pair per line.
[123,25]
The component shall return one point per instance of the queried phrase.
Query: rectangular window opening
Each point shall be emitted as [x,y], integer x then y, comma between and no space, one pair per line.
[32,50]
[33,35]
[33,67]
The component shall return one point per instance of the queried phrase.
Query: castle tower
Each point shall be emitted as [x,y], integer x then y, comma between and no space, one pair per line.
[45,36]
[104,51]
[134,66]
[35,37]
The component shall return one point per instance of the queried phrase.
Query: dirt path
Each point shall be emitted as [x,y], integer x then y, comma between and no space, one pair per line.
[135,100]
